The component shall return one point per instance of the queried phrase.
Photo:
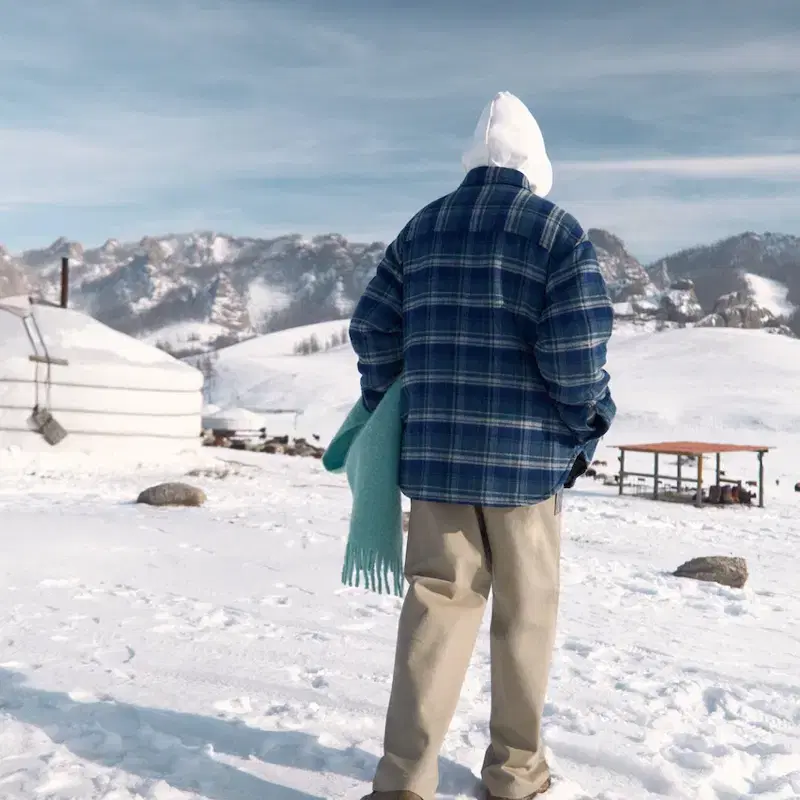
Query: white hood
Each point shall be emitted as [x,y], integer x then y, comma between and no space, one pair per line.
[507,135]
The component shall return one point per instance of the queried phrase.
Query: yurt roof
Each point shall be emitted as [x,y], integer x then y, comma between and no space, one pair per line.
[234,419]
[88,346]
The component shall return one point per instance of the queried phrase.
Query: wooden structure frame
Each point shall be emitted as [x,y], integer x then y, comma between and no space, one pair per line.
[691,450]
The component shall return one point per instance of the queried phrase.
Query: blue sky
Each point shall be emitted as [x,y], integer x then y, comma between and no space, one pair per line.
[668,123]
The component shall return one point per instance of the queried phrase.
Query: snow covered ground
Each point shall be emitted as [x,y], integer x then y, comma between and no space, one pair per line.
[213,653]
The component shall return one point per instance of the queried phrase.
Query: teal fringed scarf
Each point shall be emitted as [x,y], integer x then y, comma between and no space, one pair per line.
[367,448]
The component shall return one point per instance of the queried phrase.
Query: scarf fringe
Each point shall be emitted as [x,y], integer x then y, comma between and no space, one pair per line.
[374,569]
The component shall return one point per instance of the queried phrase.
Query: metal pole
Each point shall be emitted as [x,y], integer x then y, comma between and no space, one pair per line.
[655,478]
[621,471]
[64,282]
[680,476]
[761,479]
[699,498]
[719,467]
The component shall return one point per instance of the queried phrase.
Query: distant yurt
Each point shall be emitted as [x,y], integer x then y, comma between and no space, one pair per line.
[68,382]
[234,420]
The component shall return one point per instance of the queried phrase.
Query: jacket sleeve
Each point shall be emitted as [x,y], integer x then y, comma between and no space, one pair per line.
[572,337]
[376,329]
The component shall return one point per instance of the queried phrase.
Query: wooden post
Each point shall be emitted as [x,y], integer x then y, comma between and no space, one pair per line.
[621,471]
[64,282]
[680,476]
[699,498]
[655,478]
[761,479]
[719,467]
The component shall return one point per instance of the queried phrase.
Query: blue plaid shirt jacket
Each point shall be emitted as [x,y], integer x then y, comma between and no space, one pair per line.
[491,308]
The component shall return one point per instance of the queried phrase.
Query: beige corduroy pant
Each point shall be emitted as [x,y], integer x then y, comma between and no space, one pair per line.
[456,554]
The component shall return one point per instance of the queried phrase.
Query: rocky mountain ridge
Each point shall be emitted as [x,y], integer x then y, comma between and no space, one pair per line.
[746,281]
[198,291]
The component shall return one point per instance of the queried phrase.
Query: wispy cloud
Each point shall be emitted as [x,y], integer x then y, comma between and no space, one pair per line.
[122,119]
[782,167]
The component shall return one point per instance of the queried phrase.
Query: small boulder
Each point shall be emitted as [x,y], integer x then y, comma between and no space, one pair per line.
[172,494]
[725,570]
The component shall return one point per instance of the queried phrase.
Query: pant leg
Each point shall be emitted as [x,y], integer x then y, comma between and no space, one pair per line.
[526,549]
[449,587]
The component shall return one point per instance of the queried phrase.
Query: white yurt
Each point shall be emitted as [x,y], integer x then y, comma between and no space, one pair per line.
[62,372]
[236,420]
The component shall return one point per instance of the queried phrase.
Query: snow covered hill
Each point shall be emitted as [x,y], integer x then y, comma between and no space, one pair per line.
[303,394]
[722,382]
[693,382]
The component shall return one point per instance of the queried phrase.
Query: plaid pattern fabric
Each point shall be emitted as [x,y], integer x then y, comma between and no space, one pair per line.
[492,307]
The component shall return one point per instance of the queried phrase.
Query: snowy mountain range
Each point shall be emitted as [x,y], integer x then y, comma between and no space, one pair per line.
[13,276]
[196,291]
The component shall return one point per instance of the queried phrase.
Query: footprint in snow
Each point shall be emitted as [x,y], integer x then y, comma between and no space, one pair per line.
[276,600]
[315,677]
[235,705]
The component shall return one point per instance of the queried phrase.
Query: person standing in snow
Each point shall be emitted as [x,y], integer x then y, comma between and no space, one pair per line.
[491,309]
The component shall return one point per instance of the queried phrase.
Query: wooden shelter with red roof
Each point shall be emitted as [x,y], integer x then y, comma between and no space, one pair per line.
[691,450]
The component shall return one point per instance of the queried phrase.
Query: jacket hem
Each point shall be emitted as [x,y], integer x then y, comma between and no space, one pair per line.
[477,499]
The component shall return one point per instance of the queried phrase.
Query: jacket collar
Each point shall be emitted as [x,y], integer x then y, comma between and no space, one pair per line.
[482,175]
